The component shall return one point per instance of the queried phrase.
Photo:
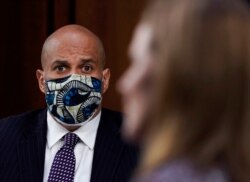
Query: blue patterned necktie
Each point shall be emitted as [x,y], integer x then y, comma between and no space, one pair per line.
[63,166]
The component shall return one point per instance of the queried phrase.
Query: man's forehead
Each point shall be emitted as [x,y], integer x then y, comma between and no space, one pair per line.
[72,38]
[81,61]
[70,43]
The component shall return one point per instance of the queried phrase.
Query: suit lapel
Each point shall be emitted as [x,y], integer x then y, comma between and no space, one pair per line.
[31,150]
[108,150]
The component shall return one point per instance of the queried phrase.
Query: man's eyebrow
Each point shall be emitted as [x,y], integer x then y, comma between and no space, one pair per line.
[87,60]
[60,62]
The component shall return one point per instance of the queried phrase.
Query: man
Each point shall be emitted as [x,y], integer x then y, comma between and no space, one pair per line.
[73,79]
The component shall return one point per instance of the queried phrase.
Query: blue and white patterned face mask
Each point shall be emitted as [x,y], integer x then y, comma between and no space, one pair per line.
[74,99]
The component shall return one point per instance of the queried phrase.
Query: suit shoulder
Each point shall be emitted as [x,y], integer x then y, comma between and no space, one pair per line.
[186,171]
[14,122]
[112,115]
[22,116]
[112,112]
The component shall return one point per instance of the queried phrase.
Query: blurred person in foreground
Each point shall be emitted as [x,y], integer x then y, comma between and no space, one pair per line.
[187,91]
[74,138]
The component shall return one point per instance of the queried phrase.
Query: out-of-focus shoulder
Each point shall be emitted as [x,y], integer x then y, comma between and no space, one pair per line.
[186,171]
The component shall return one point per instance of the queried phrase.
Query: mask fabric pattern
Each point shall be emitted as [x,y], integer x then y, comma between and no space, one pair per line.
[72,100]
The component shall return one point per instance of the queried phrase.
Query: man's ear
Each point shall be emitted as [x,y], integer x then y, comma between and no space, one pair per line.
[105,80]
[40,79]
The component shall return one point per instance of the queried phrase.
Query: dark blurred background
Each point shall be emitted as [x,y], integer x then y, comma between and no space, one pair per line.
[25,24]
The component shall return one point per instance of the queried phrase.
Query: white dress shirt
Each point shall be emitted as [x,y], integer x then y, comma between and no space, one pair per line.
[84,149]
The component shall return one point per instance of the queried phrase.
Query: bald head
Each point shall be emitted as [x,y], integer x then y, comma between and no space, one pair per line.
[73,35]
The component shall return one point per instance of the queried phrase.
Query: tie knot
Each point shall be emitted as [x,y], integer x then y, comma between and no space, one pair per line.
[71,139]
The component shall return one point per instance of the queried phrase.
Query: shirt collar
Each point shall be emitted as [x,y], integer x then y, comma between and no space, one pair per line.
[86,133]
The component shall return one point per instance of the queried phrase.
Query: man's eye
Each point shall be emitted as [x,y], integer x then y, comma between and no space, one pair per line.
[60,68]
[87,68]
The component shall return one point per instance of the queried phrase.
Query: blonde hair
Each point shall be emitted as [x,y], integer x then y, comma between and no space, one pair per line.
[202,58]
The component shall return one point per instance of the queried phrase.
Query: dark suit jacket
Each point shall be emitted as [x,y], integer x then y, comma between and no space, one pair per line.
[23,141]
